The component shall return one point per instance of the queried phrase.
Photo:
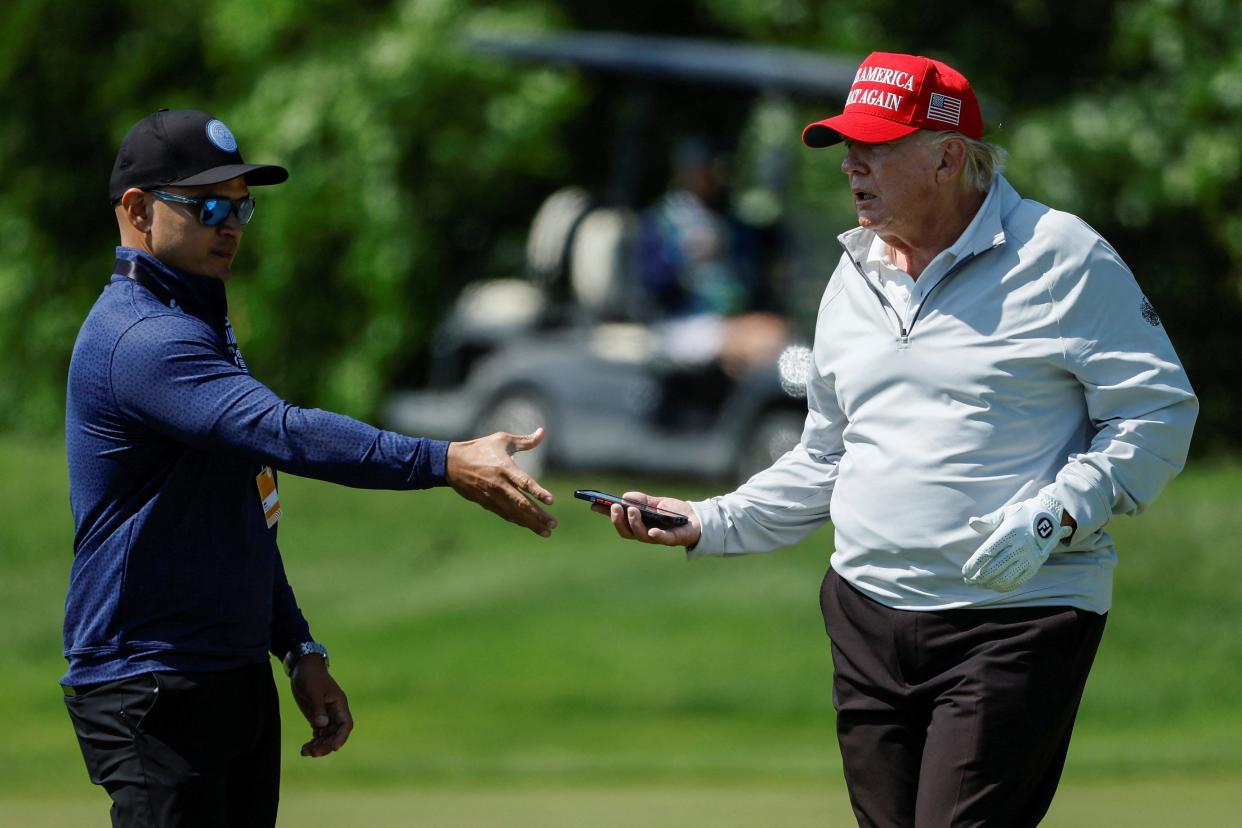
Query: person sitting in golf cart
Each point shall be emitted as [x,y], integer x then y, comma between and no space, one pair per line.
[703,269]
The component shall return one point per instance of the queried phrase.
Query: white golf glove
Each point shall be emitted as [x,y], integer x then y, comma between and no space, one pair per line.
[1020,537]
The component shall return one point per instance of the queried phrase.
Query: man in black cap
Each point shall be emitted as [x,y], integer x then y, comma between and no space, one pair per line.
[178,593]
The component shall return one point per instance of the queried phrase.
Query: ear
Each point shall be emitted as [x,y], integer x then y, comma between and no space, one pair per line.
[135,209]
[952,160]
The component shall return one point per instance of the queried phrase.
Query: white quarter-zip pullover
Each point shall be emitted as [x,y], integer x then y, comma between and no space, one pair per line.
[1032,358]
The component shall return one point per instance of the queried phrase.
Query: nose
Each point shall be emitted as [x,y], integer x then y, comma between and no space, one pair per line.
[231,226]
[851,163]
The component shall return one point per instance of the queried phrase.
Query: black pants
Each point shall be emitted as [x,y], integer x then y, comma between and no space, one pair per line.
[957,717]
[184,749]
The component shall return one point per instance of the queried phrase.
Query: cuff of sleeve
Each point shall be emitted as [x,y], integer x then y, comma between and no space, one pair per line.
[1079,488]
[712,530]
[290,637]
[437,460]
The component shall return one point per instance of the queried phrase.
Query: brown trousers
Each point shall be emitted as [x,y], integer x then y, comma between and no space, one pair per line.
[955,717]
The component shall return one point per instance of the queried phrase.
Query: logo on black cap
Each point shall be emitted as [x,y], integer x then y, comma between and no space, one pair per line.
[220,135]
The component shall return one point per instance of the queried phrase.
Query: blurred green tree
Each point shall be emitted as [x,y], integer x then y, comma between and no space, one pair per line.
[415,166]
[406,156]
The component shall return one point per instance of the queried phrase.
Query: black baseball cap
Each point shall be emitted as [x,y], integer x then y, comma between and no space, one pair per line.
[185,147]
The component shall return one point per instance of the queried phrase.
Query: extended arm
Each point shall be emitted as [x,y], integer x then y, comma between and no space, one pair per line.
[777,507]
[178,383]
[786,502]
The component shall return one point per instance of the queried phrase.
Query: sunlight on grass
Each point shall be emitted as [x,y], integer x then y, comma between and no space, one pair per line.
[502,679]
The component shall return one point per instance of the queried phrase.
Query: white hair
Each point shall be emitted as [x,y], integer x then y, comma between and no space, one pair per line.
[983,160]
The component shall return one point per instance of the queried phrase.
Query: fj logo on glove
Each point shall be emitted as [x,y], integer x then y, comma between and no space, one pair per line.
[1043,527]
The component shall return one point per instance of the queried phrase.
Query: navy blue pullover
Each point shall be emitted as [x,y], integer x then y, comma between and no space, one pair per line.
[174,565]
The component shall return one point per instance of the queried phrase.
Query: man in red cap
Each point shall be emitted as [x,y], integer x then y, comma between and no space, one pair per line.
[988,388]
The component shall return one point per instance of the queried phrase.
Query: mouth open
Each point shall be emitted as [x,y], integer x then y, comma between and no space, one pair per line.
[861,198]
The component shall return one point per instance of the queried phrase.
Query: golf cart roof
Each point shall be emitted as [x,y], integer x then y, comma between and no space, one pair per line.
[736,64]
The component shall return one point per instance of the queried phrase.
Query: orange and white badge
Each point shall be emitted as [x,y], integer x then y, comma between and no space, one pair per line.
[268,495]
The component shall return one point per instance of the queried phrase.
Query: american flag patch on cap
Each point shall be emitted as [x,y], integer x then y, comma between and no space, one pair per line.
[944,108]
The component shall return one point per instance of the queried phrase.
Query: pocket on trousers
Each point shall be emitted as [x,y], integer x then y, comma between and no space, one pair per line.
[103,722]
[139,700]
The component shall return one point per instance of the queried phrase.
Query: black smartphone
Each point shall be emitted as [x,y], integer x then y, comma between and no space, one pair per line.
[653,517]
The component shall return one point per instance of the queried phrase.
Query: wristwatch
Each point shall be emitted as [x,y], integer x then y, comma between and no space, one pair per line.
[305,648]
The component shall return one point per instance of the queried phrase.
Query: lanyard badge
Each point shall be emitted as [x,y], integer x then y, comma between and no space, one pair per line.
[268,496]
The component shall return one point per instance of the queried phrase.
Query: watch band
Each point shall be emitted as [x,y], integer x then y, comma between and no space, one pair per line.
[305,648]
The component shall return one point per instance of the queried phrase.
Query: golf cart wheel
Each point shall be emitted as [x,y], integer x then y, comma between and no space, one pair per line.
[519,412]
[775,432]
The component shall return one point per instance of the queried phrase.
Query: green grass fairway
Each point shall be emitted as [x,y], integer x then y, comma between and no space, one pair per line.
[1152,804]
[501,679]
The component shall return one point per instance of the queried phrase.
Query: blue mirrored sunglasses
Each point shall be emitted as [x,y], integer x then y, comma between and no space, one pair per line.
[213,210]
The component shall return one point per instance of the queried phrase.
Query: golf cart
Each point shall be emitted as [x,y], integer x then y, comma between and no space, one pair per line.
[573,343]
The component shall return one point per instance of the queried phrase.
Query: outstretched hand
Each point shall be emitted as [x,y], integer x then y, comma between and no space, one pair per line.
[483,470]
[324,705]
[628,521]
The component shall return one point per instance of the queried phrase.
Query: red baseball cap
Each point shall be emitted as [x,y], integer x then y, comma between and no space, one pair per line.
[895,95]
